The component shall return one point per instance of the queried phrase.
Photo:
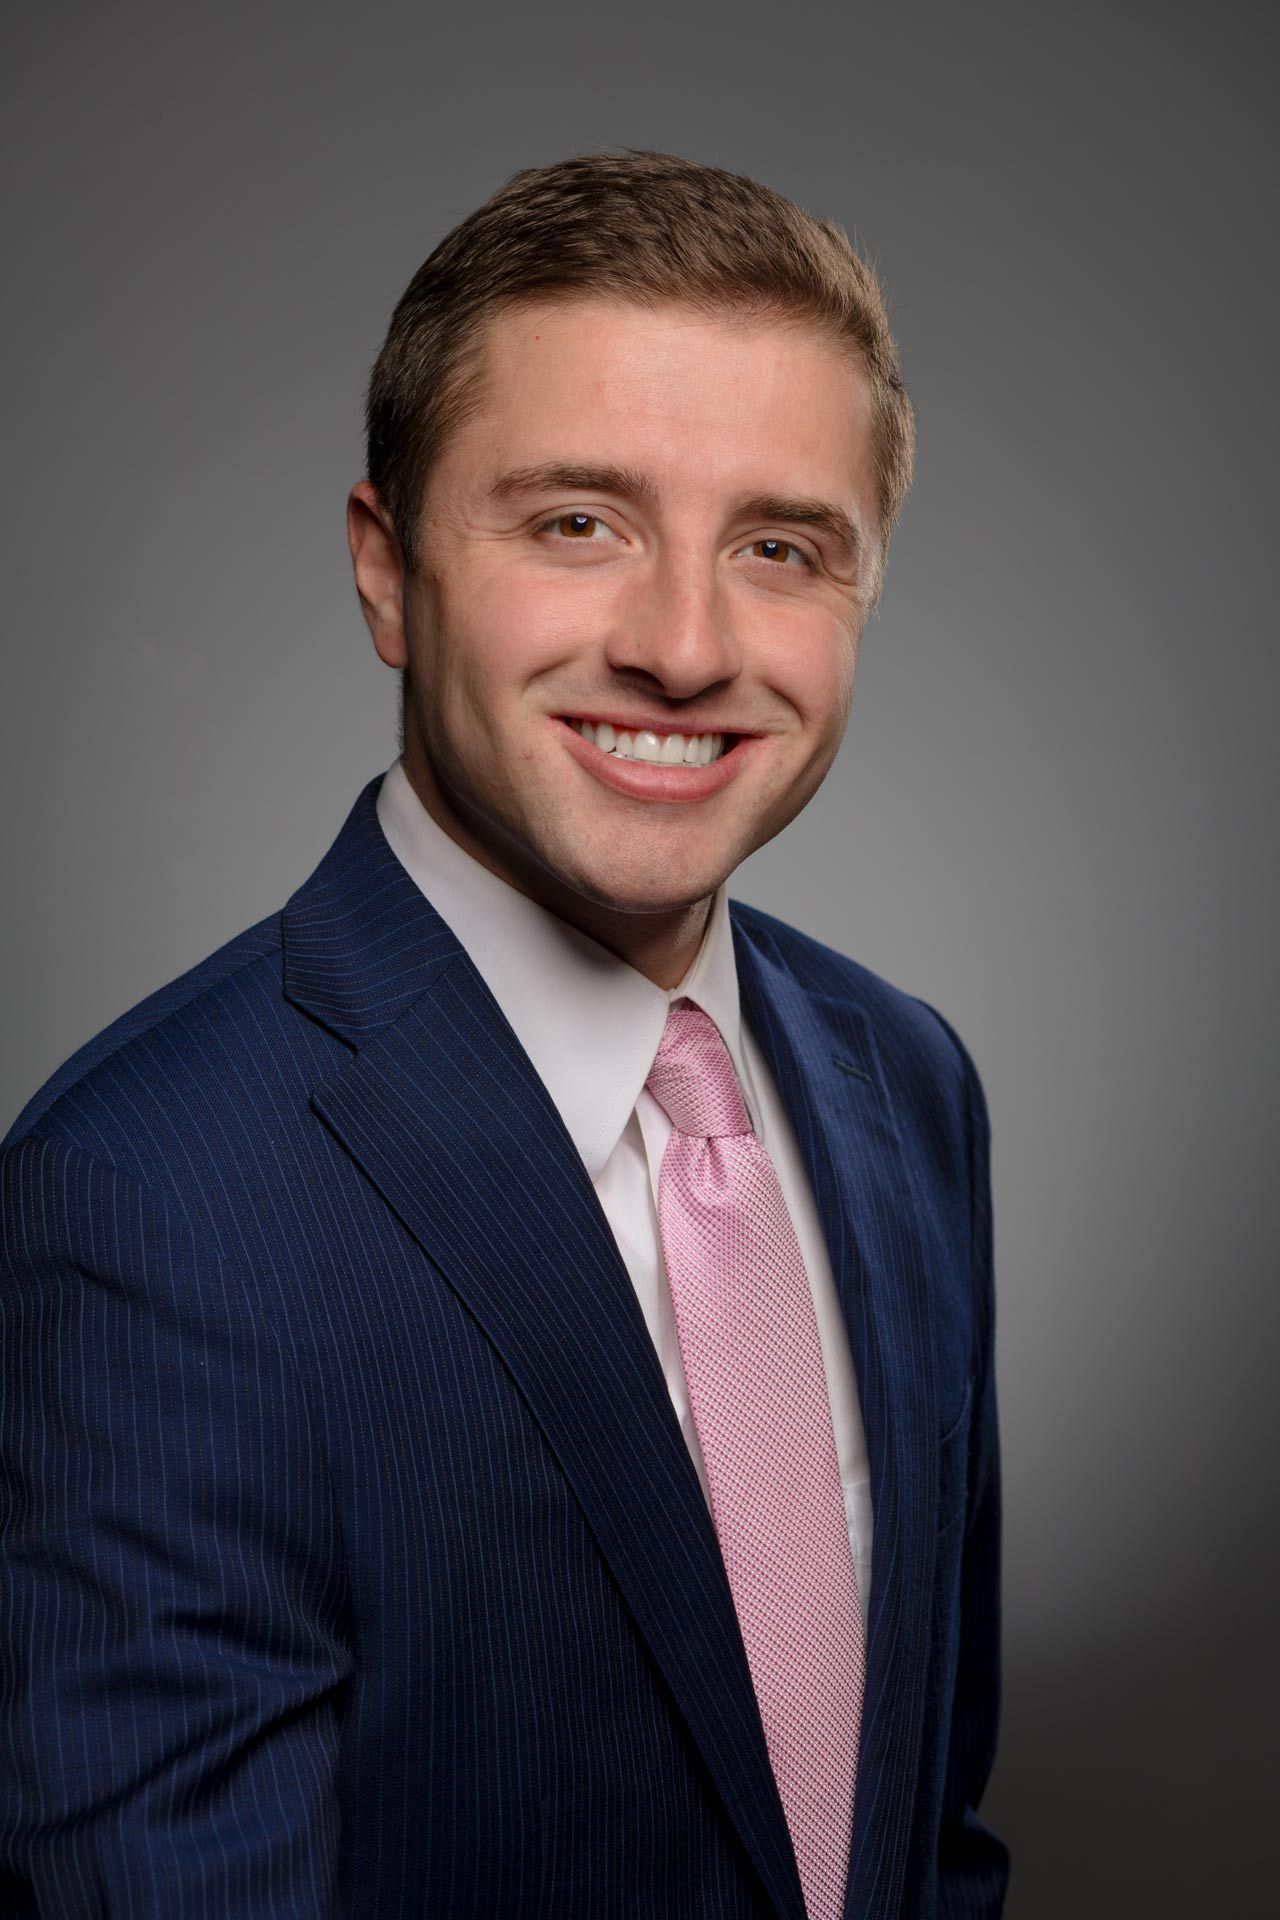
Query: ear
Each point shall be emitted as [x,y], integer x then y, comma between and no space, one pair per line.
[379,569]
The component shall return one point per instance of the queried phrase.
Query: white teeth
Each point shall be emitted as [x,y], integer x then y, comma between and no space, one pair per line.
[667,750]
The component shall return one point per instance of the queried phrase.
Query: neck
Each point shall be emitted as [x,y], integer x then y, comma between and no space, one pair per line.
[661,946]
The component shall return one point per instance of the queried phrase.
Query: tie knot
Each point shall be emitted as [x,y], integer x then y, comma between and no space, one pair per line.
[692,1077]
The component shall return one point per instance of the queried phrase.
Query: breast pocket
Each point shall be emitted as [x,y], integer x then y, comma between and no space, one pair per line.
[953,1464]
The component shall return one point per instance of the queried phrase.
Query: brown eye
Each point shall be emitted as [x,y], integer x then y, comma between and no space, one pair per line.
[778,550]
[587,529]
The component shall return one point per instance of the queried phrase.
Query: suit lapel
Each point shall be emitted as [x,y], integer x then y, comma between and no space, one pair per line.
[444,1113]
[822,1053]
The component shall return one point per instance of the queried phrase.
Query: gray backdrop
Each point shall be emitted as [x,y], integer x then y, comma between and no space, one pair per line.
[1049,817]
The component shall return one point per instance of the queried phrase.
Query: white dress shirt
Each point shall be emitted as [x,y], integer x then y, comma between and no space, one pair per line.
[591,1024]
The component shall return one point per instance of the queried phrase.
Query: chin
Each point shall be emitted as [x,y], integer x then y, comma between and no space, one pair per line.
[644,872]
[646,894]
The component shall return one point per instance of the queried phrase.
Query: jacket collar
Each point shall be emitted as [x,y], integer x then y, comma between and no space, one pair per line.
[589,1023]
[360,942]
[442,1110]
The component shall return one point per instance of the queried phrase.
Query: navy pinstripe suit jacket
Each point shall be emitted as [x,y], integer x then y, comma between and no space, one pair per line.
[353,1561]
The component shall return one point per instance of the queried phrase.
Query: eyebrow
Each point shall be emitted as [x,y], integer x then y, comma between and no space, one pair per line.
[576,478]
[822,515]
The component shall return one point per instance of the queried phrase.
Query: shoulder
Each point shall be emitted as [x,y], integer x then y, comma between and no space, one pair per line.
[168,1065]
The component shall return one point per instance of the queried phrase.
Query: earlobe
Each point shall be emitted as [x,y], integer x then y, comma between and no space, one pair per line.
[378,567]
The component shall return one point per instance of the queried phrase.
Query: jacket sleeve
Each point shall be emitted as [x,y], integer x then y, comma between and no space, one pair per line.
[973,1862]
[173,1647]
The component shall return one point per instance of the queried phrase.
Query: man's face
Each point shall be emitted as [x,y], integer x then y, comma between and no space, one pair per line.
[644,523]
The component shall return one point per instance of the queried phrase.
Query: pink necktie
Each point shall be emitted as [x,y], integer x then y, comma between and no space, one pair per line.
[758,1391]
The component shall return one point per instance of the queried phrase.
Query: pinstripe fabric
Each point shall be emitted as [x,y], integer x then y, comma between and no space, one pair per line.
[352,1560]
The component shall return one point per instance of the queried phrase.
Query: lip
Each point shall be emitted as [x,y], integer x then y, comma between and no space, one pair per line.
[642,780]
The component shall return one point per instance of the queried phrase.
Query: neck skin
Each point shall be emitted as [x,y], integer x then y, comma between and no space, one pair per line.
[661,946]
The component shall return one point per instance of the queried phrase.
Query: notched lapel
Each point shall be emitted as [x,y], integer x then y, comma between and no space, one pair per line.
[823,1055]
[446,1116]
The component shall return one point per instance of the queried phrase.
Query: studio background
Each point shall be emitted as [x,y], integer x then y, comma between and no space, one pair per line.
[1053,815]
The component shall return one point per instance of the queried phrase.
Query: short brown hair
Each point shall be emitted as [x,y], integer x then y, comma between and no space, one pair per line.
[640,226]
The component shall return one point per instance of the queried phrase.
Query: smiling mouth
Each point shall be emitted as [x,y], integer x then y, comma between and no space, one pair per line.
[655,749]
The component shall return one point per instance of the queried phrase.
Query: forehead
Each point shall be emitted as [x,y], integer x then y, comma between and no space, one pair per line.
[695,399]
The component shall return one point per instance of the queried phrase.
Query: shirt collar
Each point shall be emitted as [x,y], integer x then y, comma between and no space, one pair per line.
[588,1021]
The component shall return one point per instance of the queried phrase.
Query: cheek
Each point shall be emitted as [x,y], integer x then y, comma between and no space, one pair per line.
[809,660]
[485,636]
[845,668]
[520,621]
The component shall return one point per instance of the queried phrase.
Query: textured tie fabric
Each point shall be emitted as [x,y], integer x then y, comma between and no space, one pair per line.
[758,1391]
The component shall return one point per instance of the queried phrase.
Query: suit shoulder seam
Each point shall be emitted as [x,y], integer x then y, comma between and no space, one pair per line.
[150,1030]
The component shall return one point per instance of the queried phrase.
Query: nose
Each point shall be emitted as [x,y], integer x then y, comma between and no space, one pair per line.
[675,629]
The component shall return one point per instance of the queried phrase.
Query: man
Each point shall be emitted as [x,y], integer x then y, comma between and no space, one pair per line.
[462,1336]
